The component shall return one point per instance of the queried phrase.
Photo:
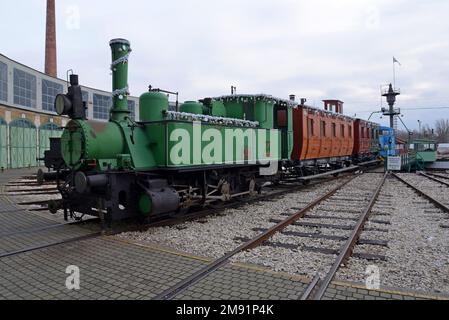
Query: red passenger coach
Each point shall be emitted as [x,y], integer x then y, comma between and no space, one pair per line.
[366,139]
[321,136]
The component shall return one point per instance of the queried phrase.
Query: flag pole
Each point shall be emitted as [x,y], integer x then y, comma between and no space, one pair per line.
[394,74]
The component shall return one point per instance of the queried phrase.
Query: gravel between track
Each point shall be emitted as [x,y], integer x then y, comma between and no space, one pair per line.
[216,237]
[418,251]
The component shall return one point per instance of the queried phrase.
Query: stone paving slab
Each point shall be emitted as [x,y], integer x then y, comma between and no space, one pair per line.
[237,283]
[22,241]
[343,290]
[15,220]
[108,270]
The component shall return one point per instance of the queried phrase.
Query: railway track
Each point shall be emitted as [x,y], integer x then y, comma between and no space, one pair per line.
[263,238]
[430,189]
[444,176]
[318,286]
[160,222]
[436,178]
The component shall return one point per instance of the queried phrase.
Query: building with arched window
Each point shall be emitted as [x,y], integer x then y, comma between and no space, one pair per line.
[27,116]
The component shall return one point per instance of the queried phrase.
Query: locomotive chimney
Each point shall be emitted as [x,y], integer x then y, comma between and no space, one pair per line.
[50,40]
[121,49]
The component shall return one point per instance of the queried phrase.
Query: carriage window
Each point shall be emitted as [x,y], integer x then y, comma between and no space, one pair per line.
[248,110]
[350,131]
[323,128]
[334,130]
[281,116]
[310,127]
[342,130]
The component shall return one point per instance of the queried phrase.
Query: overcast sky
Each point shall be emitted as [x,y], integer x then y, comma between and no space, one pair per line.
[315,49]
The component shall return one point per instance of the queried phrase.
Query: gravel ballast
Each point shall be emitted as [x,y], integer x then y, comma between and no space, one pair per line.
[416,250]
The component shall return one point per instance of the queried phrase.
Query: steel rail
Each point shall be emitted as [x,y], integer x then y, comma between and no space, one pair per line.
[48,227]
[437,203]
[52,244]
[264,236]
[346,250]
[433,178]
[437,175]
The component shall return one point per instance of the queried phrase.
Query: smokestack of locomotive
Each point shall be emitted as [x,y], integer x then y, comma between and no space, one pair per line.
[121,49]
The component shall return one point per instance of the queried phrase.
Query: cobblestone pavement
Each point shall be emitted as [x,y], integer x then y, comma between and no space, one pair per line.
[114,269]
[21,229]
[108,270]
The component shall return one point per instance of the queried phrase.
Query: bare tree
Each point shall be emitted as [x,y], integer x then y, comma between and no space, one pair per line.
[442,130]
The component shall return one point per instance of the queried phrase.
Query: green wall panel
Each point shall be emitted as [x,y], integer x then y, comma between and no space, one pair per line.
[3,144]
[22,144]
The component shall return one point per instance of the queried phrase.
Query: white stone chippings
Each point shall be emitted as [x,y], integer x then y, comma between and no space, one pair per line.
[216,237]
[418,249]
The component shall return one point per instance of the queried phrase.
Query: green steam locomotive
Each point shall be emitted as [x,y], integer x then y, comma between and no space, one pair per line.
[212,150]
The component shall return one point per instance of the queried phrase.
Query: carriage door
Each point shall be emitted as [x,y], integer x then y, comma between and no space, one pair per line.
[281,123]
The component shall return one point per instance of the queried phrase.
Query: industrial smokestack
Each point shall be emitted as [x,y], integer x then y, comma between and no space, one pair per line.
[50,40]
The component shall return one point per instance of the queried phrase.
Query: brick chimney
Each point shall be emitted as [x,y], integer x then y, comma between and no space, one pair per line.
[50,40]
